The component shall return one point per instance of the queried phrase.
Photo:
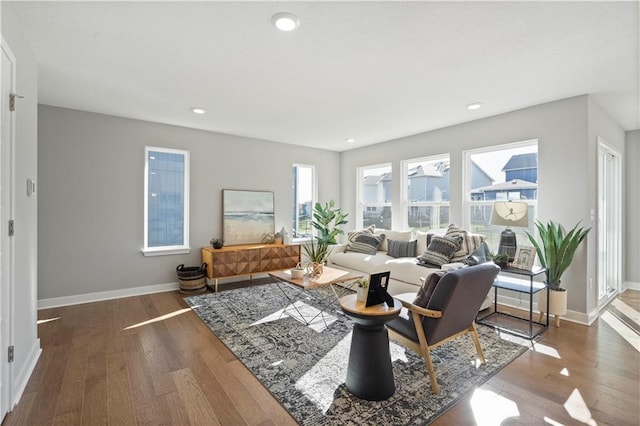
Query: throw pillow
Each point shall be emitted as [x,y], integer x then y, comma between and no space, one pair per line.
[402,248]
[478,256]
[364,242]
[427,288]
[352,234]
[392,235]
[440,250]
[470,242]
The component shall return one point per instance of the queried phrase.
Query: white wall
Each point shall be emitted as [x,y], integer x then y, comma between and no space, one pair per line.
[566,174]
[632,232]
[24,313]
[91,195]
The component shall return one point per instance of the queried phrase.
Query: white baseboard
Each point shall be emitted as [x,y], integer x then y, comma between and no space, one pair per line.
[22,378]
[105,295]
[629,285]
[523,304]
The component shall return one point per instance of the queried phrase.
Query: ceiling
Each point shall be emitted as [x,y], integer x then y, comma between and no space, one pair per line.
[372,71]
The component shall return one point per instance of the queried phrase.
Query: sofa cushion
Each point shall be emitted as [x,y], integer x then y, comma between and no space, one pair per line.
[361,262]
[364,242]
[440,250]
[392,235]
[426,290]
[401,248]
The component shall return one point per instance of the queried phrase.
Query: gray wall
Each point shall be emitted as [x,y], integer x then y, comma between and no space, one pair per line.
[91,195]
[632,232]
[566,157]
[24,310]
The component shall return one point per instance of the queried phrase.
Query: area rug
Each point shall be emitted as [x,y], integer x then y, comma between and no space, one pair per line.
[304,366]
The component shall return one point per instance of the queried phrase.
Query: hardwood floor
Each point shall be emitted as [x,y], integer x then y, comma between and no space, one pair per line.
[150,360]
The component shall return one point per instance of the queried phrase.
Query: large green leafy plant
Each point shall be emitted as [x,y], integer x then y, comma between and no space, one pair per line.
[556,248]
[326,221]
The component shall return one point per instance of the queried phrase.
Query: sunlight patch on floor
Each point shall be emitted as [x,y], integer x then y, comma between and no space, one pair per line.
[627,310]
[564,372]
[551,422]
[489,408]
[160,318]
[44,321]
[316,319]
[545,350]
[577,408]
[317,385]
[622,329]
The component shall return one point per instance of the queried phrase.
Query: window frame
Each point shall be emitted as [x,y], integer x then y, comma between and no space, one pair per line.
[361,205]
[405,205]
[173,249]
[314,199]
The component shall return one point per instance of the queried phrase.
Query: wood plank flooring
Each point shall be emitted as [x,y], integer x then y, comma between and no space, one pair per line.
[150,360]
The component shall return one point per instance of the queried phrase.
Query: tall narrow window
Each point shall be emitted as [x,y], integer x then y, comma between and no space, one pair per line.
[426,197]
[375,190]
[501,173]
[304,189]
[166,201]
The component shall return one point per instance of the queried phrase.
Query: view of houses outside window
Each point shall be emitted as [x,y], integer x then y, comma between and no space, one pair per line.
[166,198]
[375,189]
[500,174]
[427,195]
[303,200]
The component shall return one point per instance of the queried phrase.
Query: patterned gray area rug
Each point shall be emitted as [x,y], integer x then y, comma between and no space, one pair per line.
[304,367]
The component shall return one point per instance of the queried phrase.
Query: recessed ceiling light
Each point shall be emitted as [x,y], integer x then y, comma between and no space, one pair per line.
[285,21]
[198,110]
[475,105]
[350,140]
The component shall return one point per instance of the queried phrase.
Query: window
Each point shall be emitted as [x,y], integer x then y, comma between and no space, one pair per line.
[304,190]
[500,173]
[426,200]
[374,195]
[166,201]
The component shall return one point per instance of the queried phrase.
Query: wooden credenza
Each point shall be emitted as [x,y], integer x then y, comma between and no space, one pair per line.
[233,261]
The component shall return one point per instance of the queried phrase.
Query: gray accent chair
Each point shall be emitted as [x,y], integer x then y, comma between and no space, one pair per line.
[450,312]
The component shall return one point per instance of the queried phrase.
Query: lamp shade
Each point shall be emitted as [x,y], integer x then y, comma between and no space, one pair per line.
[510,213]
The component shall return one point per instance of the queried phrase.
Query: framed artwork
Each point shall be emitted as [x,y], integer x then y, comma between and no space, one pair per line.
[525,255]
[248,216]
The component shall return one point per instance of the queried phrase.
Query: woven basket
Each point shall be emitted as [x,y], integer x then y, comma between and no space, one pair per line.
[192,279]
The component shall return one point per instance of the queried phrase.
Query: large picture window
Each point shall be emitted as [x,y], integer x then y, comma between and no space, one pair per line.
[304,198]
[501,173]
[166,201]
[426,193]
[374,195]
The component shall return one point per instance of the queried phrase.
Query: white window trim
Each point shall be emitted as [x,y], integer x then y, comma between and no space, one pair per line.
[404,185]
[314,199]
[167,250]
[360,196]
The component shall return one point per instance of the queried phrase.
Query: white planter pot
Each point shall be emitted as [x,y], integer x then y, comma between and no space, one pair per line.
[361,294]
[557,304]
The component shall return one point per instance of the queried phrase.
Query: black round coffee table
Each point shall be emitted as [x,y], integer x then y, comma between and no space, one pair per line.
[369,372]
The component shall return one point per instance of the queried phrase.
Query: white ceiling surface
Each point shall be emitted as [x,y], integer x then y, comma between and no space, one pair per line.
[369,71]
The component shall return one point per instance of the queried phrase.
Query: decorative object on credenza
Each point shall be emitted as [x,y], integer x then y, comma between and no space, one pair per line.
[509,213]
[277,239]
[217,243]
[248,216]
[555,250]
[525,255]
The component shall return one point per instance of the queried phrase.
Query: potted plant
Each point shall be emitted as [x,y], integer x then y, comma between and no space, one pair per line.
[216,243]
[326,221]
[362,290]
[555,249]
[500,259]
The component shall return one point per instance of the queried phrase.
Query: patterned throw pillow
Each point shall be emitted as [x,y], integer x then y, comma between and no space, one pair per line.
[402,248]
[352,234]
[469,243]
[440,250]
[427,288]
[364,242]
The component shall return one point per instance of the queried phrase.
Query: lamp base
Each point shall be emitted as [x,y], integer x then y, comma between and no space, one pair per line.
[508,244]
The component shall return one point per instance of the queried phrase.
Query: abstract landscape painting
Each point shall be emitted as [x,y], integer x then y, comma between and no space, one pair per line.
[248,216]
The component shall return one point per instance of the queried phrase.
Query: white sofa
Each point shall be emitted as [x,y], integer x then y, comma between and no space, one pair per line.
[406,273]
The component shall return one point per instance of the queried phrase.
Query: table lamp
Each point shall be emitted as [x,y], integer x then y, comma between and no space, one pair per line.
[509,213]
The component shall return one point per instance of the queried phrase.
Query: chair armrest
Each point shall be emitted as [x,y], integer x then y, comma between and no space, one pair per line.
[407,301]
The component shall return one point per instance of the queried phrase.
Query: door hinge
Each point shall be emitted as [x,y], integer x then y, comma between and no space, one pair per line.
[11,228]
[12,100]
[10,354]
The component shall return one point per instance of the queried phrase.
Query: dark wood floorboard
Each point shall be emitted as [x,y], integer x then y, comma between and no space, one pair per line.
[150,360]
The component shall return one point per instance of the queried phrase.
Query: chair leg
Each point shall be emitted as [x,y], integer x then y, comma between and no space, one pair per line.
[424,347]
[476,342]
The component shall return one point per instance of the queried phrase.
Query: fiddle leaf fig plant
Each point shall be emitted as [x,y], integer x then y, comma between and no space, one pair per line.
[556,248]
[326,220]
